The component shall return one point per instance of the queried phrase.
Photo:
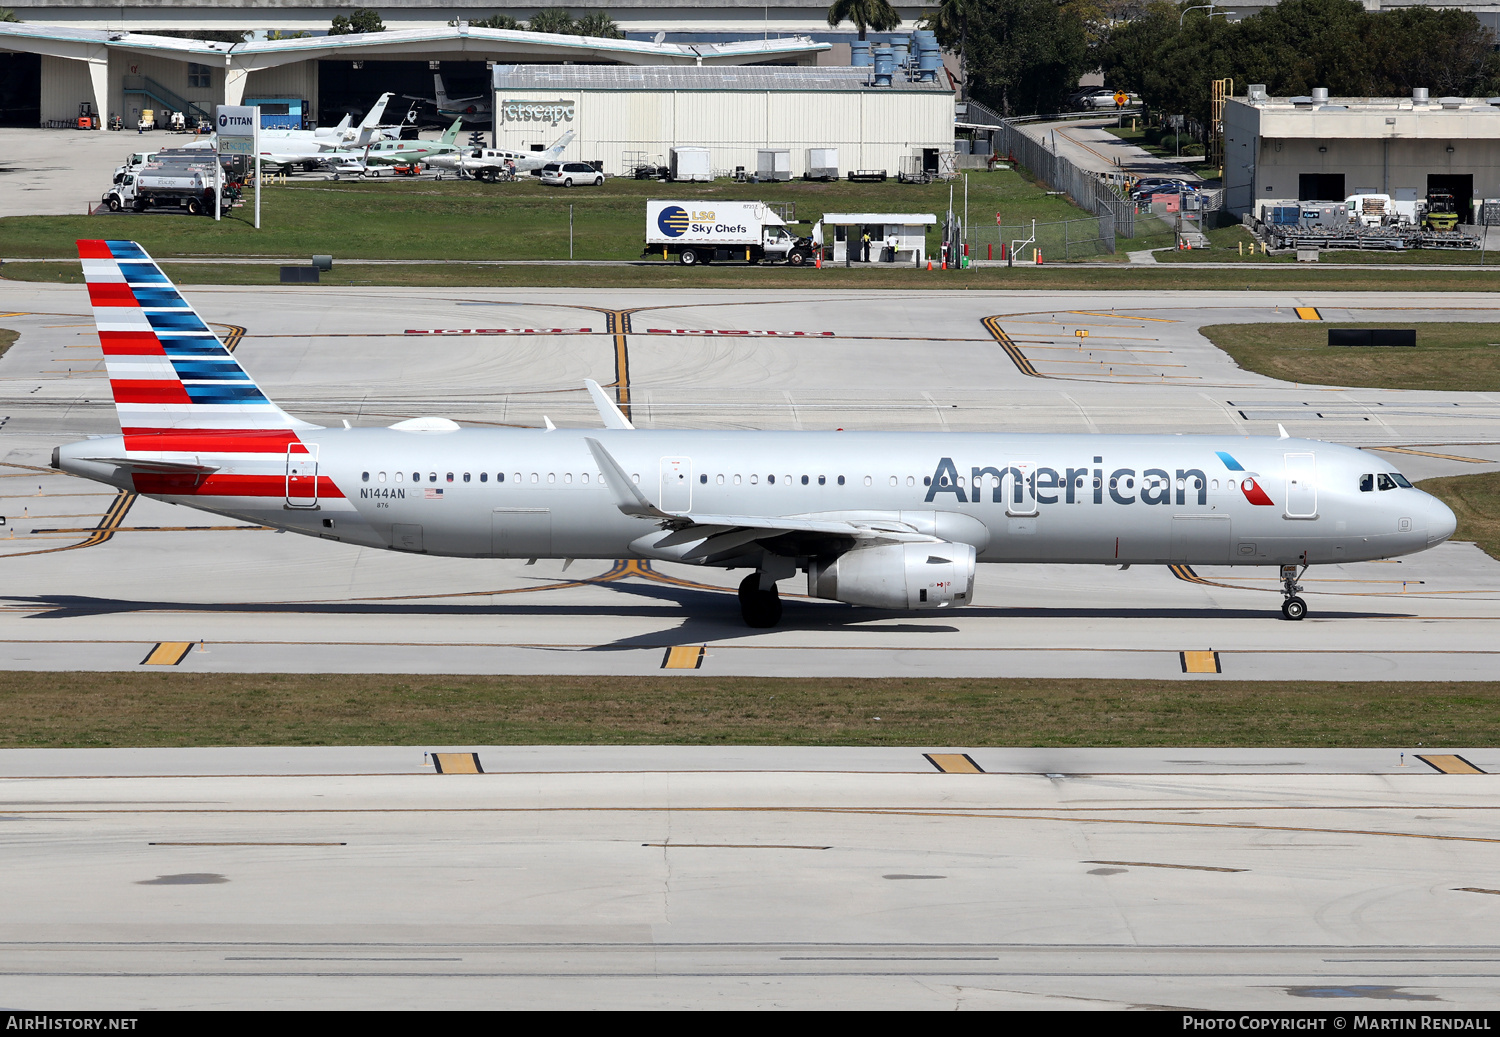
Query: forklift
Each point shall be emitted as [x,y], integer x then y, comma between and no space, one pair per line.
[1441,212]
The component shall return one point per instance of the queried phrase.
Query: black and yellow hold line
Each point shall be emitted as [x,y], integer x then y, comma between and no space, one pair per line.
[684,657]
[109,525]
[168,653]
[992,325]
[953,763]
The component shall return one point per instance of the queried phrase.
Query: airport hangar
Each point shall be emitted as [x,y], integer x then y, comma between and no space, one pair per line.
[1284,150]
[626,114]
[125,72]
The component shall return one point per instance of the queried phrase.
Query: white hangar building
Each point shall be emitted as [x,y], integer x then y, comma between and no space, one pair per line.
[734,112]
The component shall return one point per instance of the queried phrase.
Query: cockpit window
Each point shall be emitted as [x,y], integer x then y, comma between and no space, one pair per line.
[1385,482]
[1401,480]
[1367,482]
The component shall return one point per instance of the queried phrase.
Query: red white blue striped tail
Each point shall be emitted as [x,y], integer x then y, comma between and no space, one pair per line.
[171,375]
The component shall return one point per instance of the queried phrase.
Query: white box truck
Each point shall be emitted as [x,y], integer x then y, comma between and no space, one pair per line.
[690,164]
[709,231]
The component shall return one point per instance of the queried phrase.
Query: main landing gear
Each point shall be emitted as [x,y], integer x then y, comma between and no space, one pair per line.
[760,608]
[1293,607]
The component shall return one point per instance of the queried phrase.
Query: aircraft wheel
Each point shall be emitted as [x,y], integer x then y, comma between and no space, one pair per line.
[760,609]
[1294,608]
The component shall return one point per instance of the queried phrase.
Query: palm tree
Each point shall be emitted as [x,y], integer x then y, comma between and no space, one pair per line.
[865,14]
[598,24]
[7,15]
[552,19]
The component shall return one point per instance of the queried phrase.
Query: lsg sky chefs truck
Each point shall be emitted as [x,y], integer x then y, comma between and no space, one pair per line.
[709,231]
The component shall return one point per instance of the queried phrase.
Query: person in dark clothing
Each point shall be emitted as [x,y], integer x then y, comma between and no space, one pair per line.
[866,242]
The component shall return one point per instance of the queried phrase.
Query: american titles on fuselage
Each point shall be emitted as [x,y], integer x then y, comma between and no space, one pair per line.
[1075,485]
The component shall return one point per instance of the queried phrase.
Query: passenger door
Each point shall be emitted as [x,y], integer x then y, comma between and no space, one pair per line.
[1301,486]
[676,485]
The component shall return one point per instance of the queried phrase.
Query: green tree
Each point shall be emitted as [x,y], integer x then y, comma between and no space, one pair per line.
[878,15]
[495,21]
[1019,56]
[599,25]
[277,34]
[1449,52]
[552,19]
[362,19]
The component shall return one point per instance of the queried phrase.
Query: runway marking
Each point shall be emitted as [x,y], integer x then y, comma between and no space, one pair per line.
[1159,320]
[457,763]
[247,844]
[1308,313]
[864,811]
[735,846]
[448,331]
[953,763]
[1051,343]
[1200,662]
[168,653]
[1428,453]
[684,657]
[1179,867]
[1448,764]
[153,529]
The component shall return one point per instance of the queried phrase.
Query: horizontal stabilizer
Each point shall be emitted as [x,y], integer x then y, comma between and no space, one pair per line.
[141,464]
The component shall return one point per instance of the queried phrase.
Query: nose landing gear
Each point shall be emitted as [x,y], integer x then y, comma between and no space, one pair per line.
[1293,607]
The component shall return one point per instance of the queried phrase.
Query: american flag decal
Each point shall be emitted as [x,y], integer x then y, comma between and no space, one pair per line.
[432,494]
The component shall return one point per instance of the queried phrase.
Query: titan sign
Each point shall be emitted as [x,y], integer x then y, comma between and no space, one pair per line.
[552,112]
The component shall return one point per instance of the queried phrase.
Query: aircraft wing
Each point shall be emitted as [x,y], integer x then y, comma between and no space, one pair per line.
[722,532]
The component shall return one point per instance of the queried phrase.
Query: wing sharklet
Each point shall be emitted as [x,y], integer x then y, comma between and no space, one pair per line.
[608,412]
[628,498]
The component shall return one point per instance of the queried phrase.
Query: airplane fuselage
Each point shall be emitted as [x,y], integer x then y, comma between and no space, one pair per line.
[1102,499]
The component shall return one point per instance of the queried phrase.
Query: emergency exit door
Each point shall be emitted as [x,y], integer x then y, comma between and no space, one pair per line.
[302,475]
[676,485]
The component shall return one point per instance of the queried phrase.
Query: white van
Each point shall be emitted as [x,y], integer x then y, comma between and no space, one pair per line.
[1370,210]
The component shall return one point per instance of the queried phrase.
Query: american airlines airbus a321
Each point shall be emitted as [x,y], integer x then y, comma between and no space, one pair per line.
[893,520]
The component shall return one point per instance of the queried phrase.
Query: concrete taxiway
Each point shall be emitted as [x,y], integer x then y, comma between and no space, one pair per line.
[921,877]
[99,580]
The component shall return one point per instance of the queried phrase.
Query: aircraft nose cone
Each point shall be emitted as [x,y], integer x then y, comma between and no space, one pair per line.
[1441,522]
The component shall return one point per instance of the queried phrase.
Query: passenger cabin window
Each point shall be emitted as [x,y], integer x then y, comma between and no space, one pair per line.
[364,476]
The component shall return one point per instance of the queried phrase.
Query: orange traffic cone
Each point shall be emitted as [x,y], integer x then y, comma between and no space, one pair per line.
[929,266]
[1038,253]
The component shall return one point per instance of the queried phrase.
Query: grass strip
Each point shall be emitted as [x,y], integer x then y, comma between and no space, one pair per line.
[185,709]
[1450,356]
[7,339]
[665,275]
[1475,500]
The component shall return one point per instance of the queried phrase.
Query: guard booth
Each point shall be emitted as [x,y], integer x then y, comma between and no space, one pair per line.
[894,237]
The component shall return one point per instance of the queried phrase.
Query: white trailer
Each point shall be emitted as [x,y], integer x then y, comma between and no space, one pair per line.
[773,164]
[709,231]
[690,164]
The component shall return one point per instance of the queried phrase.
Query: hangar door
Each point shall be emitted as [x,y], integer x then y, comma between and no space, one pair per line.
[343,87]
[1320,187]
[21,90]
[1460,186]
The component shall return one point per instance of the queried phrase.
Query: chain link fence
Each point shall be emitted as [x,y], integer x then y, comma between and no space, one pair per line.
[1061,241]
[1084,189]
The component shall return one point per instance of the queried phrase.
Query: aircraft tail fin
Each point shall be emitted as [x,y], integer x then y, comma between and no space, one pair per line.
[441,95]
[556,150]
[369,127]
[170,374]
[450,135]
[344,124]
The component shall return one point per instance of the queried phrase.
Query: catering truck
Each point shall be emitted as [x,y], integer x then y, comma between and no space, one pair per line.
[709,231]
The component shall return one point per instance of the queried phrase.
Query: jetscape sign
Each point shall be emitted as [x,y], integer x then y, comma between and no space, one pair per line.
[236,127]
[553,112]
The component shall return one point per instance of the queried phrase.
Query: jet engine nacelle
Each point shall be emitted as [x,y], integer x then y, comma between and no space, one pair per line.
[897,576]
